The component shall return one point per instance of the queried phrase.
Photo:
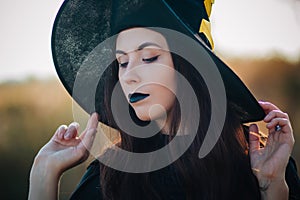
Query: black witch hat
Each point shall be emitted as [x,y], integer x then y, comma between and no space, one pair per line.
[81,25]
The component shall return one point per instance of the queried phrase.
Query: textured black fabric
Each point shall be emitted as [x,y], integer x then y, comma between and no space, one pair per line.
[166,182]
[89,186]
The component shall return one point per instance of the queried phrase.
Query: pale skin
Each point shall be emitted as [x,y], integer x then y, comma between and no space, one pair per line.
[66,150]
[146,66]
[269,163]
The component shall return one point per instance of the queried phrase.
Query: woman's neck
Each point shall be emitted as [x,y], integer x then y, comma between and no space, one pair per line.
[164,125]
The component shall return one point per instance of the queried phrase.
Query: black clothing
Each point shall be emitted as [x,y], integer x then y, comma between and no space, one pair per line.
[89,186]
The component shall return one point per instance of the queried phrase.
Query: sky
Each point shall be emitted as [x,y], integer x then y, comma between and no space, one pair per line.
[239,28]
[257,27]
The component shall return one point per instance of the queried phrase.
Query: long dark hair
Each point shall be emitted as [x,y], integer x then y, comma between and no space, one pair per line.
[225,173]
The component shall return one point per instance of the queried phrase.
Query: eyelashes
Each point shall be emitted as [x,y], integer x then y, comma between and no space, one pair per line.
[150,60]
[145,60]
[123,65]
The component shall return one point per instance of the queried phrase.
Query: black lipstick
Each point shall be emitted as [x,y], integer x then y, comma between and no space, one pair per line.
[135,97]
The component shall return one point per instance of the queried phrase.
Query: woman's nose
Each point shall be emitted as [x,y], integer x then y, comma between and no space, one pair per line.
[131,74]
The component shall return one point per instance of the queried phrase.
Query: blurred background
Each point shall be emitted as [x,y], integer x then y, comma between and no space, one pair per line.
[258,39]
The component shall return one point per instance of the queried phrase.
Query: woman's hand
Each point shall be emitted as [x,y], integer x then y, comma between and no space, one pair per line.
[269,162]
[64,151]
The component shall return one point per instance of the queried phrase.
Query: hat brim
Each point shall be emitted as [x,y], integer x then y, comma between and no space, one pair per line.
[81,25]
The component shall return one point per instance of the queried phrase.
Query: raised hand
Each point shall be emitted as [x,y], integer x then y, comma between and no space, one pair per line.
[269,162]
[64,151]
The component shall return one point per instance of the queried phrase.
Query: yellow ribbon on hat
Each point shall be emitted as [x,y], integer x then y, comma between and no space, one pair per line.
[205,27]
[206,30]
[208,4]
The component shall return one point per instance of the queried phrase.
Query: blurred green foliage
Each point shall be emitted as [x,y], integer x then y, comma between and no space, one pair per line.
[31,111]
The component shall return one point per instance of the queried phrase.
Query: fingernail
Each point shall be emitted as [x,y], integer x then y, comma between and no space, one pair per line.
[67,136]
[266,117]
[96,114]
[75,124]
[61,129]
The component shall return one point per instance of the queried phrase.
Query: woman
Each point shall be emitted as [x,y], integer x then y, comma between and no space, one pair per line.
[236,167]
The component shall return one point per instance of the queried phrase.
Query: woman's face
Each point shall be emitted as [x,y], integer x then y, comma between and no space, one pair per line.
[146,72]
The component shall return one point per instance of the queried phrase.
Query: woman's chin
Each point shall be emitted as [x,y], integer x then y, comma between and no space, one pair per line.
[144,117]
[158,117]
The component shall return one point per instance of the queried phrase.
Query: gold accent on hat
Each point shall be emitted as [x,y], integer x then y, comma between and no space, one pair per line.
[206,30]
[208,4]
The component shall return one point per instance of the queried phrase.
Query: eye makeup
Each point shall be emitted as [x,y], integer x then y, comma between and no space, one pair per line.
[147,55]
[151,59]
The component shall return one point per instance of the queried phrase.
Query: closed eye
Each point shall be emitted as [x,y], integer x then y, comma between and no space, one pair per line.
[124,64]
[150,60]
[146,60]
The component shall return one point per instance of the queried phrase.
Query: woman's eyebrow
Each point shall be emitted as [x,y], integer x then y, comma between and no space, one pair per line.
[140,47]
[146,44]
[120,52]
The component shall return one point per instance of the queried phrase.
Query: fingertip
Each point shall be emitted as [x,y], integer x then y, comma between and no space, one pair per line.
[62,127]
[267,118]
[75,124]
[93,122]
[61,130]
[67,136]
[253,128]
[71,132]
[264,102]
[95,115]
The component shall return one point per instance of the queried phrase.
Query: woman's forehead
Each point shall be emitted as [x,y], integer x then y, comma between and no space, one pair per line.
[136,38]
